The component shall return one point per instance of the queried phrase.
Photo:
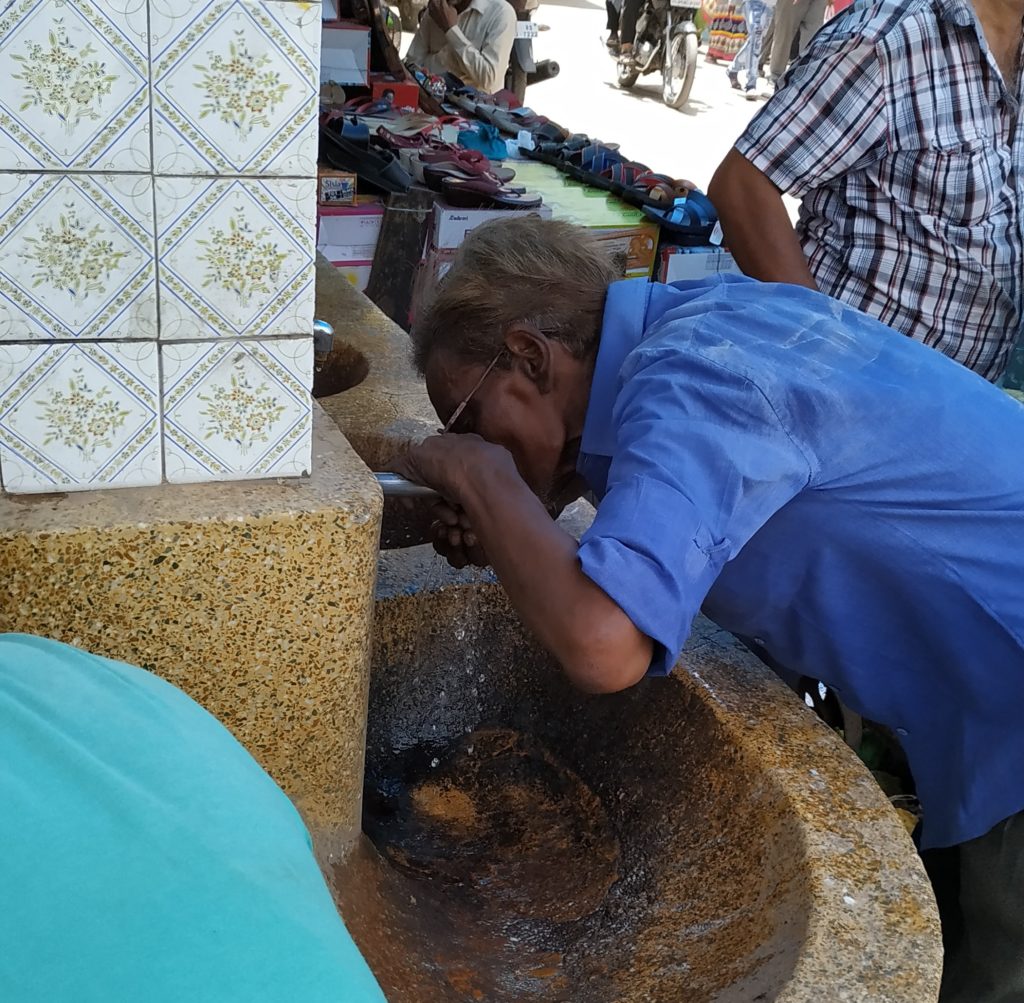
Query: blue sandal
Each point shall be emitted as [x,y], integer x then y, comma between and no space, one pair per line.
[689,221]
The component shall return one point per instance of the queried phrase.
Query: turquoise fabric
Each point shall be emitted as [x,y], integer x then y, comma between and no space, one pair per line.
[144,854]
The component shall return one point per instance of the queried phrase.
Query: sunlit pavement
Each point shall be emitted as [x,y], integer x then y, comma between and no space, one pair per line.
[584,98]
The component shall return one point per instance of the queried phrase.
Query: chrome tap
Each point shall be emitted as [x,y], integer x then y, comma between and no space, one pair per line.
[323,342]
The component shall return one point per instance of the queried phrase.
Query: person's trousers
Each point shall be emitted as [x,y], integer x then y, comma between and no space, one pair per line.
[627,24]
[757,14]
[980,890]
[793,17]
[613,17]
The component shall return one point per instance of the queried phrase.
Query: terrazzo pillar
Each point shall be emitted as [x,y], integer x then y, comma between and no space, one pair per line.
[254,598]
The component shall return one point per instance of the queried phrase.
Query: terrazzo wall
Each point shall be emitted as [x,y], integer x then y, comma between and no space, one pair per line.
[157,216]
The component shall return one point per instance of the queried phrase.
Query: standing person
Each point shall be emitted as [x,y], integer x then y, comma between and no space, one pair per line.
[757,15]
[727,30]
[789,465]
[470,38]
[794,19]
[898,131]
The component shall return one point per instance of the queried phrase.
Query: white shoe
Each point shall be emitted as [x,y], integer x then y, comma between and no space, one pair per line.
[752,95]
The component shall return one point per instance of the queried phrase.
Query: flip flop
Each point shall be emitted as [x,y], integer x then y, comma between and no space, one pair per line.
[470,163]
[479,193]
[688,220]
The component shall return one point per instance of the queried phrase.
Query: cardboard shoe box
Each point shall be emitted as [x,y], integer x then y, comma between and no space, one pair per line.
[450,225]
[350,233]
[344,53]
[687,264]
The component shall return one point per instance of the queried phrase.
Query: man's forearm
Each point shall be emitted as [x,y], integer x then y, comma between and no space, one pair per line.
[756,225]
[536,561]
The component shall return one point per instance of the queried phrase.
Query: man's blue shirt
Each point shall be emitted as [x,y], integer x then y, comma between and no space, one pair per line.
[848,497]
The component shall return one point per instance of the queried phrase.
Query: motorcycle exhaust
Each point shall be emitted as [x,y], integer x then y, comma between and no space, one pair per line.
[547,69]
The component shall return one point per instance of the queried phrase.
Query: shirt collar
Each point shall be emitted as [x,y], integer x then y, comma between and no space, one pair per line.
[622,329]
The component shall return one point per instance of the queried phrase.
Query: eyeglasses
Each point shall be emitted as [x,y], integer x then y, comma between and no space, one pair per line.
[457,413]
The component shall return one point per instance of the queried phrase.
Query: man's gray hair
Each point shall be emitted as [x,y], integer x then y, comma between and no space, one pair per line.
[525,269]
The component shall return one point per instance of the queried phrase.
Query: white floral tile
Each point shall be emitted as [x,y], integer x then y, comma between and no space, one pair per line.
[237,410]
[236,257]
[74,85]
[77,257]
[74,417]
[235,87]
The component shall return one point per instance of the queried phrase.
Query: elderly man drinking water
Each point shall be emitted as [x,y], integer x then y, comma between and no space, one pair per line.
[848,499]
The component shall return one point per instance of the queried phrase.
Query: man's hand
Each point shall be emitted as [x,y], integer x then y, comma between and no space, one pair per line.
[446,462]
[444,14]
[490,512]
[454,538]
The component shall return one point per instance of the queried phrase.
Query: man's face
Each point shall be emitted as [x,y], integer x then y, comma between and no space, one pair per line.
[510,409]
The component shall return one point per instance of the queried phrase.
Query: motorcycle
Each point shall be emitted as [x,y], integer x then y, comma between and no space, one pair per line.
[666,40]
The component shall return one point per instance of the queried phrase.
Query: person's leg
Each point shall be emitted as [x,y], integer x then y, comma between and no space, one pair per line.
[813,19]
[738,63]
[613,24]
[788,16]
[627,24]
[756,14]
[987,964]
[766,46]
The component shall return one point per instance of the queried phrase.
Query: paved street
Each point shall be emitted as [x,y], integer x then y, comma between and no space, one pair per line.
[687,144]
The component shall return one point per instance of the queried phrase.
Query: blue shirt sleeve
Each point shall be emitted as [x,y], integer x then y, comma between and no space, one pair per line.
[702,460]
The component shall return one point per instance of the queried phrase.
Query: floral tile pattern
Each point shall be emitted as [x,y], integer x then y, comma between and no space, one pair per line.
[237,410]
[79,416]
[74,85]
[236,257]
[77,257]
[235,87]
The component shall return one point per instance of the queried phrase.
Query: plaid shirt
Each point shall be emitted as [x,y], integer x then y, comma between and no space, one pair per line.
[897,131]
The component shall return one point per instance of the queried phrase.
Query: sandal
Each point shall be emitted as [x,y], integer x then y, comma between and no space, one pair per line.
[589,162]
[480,193]
[655,190]
[471,163]
[689,220]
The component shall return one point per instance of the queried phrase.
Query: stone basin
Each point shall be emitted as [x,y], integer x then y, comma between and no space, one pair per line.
[698,839]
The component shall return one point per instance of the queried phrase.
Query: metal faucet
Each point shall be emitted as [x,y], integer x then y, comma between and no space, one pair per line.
[323,342]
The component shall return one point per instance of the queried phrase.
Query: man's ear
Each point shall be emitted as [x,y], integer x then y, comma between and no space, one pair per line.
[530,352]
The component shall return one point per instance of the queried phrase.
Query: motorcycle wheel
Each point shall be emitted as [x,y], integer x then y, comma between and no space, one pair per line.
[680,66]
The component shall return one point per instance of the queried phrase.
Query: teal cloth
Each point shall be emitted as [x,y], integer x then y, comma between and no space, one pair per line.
[144,854]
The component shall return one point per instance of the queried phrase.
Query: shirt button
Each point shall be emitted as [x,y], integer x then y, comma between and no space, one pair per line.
[902,732]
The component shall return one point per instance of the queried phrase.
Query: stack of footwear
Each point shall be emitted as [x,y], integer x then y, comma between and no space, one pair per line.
[682,210]
[466,178]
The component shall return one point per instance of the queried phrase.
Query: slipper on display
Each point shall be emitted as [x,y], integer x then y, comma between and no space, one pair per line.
[688,220]
[374,166]
[591,161]
[470,162]
[478,193]
[486,140]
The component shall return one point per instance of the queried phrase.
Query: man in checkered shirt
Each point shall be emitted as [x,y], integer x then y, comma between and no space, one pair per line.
[897,130]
